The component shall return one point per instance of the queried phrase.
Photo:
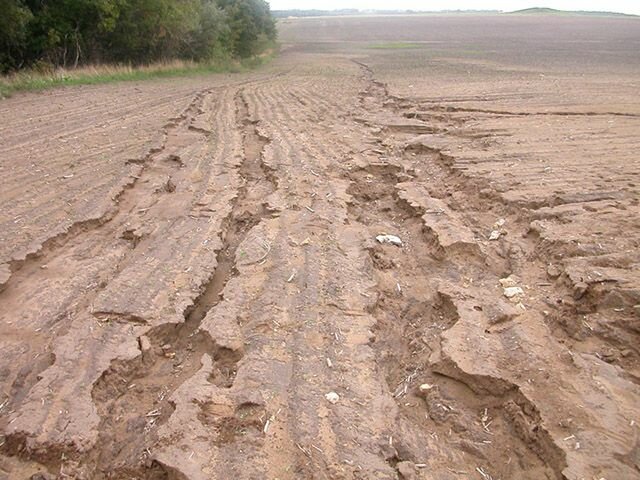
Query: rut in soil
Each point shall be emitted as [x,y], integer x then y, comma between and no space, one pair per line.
[132,396]
[412,312]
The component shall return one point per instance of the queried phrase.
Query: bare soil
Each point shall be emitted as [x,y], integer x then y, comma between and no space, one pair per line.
[191,285]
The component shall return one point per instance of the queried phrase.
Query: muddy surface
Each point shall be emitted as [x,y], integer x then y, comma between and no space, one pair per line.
[191,285]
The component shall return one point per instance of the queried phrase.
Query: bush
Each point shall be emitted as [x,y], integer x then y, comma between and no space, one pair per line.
[68,33]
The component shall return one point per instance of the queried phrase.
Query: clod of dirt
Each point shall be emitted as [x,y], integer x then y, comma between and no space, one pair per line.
[407,470]
[553,271]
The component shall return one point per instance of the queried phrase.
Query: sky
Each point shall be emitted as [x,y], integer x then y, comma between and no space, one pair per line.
[625,6]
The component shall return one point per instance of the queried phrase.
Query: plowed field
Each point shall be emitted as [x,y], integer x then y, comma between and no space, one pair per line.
[195,283]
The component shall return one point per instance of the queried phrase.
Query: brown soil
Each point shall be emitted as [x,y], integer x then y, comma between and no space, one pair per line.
[189,267]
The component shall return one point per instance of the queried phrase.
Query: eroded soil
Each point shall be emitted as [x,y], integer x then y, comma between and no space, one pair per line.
[191,285]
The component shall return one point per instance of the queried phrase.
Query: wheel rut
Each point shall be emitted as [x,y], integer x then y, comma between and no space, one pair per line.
[69,249]
[133,397]
[413,310]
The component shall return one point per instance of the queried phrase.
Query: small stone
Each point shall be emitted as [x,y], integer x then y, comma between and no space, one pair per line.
[614,300]
[495,235]
[501,311]
[145,343]
[388,451]
[332,397]
[579,290]
[511,292]
[553,272]
[5,274]
[472,449]
[510,281]
[407,470]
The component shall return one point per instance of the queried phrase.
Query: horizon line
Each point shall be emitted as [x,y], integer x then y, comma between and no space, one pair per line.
[303,9]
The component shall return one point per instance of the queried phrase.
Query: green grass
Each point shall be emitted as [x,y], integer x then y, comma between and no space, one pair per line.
[395,46]
[30,81]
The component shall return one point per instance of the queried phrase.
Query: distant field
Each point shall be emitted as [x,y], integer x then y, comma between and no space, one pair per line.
[579,43]
[552,11]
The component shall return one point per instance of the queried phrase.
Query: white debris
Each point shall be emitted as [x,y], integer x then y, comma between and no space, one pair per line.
[510,281]
[392,239]
[510,286]
[332,397]
[511,292]
[497,230]
[425,387]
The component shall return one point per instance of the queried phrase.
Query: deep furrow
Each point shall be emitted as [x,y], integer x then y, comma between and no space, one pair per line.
[527,114]
[137,392]
[413,312]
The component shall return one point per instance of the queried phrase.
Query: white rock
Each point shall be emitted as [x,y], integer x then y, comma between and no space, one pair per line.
[495,235]
[332,397]
[511,292]
[392,239]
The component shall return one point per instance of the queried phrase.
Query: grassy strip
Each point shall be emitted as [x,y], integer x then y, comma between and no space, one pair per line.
[29,81]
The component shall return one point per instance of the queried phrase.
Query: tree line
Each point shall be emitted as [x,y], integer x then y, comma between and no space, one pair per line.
[68,33]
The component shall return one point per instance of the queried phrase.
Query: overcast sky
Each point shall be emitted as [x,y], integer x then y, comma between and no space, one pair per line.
[626,6]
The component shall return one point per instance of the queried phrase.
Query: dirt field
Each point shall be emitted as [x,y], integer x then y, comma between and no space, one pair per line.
[191,285]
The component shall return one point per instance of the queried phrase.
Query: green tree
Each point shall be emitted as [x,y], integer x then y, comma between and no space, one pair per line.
[208,40]
[65,32]
[70,32]
[149,30]
[13,33]
[250,24]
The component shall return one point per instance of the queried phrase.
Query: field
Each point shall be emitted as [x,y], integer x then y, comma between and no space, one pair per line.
[192,284]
